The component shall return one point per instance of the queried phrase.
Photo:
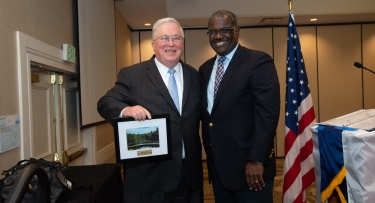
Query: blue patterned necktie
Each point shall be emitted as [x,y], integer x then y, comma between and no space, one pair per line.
[219,74]
[172,87]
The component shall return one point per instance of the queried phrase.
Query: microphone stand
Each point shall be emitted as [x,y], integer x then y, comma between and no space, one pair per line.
[368,70]
[359,65]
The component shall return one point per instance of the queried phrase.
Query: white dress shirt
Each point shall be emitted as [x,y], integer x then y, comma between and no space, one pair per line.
[178,75]
[211,82]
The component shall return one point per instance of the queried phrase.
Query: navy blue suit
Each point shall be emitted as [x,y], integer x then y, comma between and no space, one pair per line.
[243,121]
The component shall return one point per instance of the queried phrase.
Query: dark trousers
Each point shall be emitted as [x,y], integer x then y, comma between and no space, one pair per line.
[223,195]
[180,195]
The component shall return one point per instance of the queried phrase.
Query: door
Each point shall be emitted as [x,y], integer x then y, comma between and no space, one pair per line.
[43,128]
[55,111]
[72,142]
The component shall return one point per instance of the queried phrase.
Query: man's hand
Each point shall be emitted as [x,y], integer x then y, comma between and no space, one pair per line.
[137,112]
[254,179]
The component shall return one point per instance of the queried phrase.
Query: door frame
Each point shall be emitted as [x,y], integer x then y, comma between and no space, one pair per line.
[30,49]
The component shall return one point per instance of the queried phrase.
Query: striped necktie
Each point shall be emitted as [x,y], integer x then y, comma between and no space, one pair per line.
[219,74]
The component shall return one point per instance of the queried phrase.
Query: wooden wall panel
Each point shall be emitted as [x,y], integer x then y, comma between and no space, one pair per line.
[197,47]
[105,136]
[136,47]
[307,37]
[279,45]
[340,84]
[368,49]
[257,38]
[124,52]
[145,46]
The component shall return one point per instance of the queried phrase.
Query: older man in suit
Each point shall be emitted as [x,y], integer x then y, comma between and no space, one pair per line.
[240,112]
[162,85]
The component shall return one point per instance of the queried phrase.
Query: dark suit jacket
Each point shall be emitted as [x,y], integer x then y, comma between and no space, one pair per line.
[244,117]
[142,84]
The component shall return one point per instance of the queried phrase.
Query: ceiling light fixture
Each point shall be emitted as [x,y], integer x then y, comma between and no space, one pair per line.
[313,19]
[271,21]
[147,24]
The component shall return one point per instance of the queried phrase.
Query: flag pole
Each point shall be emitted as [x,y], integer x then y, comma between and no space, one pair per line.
[290,4]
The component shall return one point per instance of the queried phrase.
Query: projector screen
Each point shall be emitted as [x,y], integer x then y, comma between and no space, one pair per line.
[97,55]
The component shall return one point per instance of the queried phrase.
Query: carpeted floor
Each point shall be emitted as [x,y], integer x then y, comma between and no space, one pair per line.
[277,191]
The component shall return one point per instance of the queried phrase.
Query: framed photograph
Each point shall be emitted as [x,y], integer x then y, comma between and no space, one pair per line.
[139,140]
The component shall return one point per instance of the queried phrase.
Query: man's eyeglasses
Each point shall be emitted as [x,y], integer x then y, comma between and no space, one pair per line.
[175,39]
[223,31]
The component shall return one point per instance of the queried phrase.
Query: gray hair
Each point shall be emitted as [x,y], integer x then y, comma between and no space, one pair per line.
[223,13]
[165,20]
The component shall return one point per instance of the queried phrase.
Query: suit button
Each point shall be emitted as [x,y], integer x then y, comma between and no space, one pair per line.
[271,153]
[179,144]
[211,124]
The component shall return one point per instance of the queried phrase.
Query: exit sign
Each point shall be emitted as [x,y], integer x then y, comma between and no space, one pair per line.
[69,53]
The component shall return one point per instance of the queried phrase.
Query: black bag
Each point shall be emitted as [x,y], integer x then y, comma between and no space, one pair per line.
[55,172]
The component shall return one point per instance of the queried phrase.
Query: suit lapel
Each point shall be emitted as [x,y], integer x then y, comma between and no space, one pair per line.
[155,77]
[233,65]
[186,83]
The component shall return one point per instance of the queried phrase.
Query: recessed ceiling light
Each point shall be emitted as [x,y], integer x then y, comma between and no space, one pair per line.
[147,24]
[313,19]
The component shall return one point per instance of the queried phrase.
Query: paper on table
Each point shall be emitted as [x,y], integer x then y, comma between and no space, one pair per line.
[361,119]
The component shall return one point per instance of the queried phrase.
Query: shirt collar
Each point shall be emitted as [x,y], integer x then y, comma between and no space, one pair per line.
[228,56]
[164,69]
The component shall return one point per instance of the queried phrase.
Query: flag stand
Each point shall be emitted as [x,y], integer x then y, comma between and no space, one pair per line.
[299,117]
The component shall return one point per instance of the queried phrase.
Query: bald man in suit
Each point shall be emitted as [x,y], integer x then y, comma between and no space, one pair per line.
[240,112]
[141,91]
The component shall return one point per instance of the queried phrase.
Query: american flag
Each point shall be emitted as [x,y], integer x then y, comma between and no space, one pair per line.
[299,116]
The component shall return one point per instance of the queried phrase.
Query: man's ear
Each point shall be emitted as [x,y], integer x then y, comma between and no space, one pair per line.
[153,45]
[237,31]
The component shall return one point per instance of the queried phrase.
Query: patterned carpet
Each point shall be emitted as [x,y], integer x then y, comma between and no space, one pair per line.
[277,191]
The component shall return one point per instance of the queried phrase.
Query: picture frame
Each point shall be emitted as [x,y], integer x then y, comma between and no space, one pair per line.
[142,140]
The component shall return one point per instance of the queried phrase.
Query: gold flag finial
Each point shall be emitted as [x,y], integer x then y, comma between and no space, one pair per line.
[290,4]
